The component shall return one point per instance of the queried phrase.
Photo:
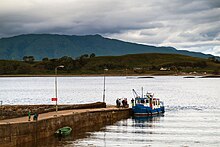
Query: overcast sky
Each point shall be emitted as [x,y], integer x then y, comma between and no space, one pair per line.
[184,24]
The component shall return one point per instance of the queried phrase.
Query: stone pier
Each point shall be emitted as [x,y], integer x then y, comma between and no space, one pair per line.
[16,131]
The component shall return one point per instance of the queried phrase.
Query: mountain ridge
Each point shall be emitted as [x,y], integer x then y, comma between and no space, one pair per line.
[56,46]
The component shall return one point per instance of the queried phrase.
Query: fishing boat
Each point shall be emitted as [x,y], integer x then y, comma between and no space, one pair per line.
[147,105]
[65,131]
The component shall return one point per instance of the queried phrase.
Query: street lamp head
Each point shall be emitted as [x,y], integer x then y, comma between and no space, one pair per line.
[61,66]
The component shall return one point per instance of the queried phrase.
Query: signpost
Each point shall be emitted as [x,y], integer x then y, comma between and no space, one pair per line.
[53,99]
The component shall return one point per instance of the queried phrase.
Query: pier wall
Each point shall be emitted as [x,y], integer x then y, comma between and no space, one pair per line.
[14,111]
[18,133]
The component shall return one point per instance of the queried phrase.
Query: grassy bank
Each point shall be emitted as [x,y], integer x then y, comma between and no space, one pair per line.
[135,64]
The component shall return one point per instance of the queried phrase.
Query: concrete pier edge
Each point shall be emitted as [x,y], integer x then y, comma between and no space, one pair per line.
[13,134]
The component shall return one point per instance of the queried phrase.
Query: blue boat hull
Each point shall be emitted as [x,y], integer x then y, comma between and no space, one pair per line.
[140,110]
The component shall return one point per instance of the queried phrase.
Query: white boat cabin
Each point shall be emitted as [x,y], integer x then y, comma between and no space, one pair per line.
[149,101]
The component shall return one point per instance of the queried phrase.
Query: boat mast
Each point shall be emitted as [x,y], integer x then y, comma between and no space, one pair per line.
[142,89]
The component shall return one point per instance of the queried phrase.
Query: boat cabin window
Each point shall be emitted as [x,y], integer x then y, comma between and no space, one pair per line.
[138,101]
[141,101]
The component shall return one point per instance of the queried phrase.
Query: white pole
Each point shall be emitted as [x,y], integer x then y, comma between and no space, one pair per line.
[104,86]
[56,89]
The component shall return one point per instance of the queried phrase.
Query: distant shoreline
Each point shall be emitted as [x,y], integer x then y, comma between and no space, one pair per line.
[101,75]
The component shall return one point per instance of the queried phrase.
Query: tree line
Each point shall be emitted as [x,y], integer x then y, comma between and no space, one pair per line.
[30,66]
[89,63]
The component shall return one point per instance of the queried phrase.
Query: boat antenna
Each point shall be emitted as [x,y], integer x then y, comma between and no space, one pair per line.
[135,93]
[142,89]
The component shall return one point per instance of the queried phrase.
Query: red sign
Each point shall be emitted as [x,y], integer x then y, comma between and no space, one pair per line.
[54,99]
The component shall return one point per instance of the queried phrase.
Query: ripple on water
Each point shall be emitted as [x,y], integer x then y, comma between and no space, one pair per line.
[192,115]
[196,128]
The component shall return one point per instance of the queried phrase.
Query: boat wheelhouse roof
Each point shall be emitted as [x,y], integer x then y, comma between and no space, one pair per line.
[140,98]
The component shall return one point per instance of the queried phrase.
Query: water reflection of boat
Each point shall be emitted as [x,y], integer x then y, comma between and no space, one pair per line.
[146,122]
[154,118]
[147,105]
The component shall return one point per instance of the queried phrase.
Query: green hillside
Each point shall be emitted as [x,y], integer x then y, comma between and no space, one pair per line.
[57,46]
[153,63]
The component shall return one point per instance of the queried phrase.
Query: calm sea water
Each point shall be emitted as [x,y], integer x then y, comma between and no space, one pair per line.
[192,115]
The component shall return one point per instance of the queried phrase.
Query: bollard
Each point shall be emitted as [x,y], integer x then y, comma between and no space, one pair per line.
[1,108]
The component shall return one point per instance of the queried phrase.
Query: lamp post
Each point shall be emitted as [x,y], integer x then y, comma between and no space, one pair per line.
[104,85]
[61,66]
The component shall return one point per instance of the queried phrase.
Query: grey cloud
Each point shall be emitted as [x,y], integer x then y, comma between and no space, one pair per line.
[214,3]
[152,22]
